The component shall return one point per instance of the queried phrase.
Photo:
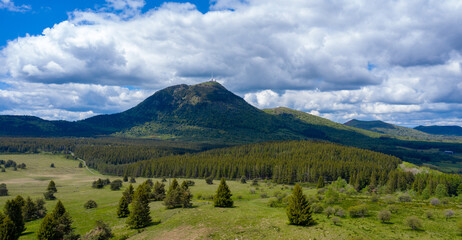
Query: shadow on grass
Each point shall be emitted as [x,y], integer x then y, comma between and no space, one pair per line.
[27,233]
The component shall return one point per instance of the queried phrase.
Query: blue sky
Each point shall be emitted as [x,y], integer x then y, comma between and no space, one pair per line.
[396,61]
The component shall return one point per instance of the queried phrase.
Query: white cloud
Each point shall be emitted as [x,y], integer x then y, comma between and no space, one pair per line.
[10,6]
[364,59]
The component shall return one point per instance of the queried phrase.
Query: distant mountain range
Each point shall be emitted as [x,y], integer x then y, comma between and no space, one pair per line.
[441,130]
[209,113]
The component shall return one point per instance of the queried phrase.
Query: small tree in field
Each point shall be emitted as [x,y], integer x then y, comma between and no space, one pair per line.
[90,204]
[3,190]
[122,209]
[299,209]
[52,187]
[414,222]
[384,216]
[8,229]
[140,214]
[320,182]
[223,196]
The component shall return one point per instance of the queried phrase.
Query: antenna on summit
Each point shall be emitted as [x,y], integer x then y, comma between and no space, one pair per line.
[212,79]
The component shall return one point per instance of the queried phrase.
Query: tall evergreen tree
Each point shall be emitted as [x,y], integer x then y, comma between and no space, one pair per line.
[223,196]
[47,229]
[56,225]
[52,187]
[299,209]
[158,193]
[122,209]
[140,214]
[13,209]
[174,195]
[3,190]
[128,193]
[8,229]
[29,210]
[320,182]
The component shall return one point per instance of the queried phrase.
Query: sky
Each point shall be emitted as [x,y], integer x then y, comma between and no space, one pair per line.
[395,61]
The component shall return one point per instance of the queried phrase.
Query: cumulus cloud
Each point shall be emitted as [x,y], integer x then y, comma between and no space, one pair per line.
[338,59]
[10,6]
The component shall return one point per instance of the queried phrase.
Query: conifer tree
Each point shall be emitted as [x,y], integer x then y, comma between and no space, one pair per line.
[8,229]
[320,182]
[52,187]
[128,193]
[158,193]
[3,190]
[174,195]
[299,209]
[47,229]
[13,209]
[29,210]
[140,214]
[122,209]
[223,196]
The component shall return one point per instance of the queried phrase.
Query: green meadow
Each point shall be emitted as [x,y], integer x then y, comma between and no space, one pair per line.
[251,218]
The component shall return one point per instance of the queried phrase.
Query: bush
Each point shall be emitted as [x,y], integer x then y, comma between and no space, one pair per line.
[264,195]
[209,180]
[339,211]
[448,214]
[190,183]
[97,184]
[393,208]
[49,195]
[389,199]
[384,215]
[414,222]
[255,182]
[429,214]
[3,190]
[435,202]
[336,221]
[358,211]
[329,211]
[116,185]
[90,204]
[243,180]
[375,197]
[52,165]
[317,208]
[132,180]
[404,198]
[101,232]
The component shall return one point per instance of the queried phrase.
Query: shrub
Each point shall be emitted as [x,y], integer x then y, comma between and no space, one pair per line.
[358,211]
[329,211]
[52,165]
[375,197]
[243,180]
[339,211]
[190,183]
[90,204]
[389,199]
[97,184]
[414,222]
[435,202]
[116,185]
[132,180]
[393,208]
[429,214]
[404,198]
[164,179]
[448,214]
[331,195]
[384,215]
[101,232]
[317,208]
[209,180]
[252,191]
[3,190]
[255,182]
[49,195]
[336,221]
[264,195]
[80,165]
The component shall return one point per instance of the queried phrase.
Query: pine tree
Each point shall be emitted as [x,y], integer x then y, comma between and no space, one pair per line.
[13,209]
[29,210]
[128,193]
[174,195]
[47,229]
[3,190]
[223,196]
[320,182]
[125,178]
[140,214]
[159,191]
[299,209]
[80,165]
[8,229]
[52,187]
[441,191]
[122,209]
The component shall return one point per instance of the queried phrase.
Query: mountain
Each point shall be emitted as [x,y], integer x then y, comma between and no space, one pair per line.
[441,130]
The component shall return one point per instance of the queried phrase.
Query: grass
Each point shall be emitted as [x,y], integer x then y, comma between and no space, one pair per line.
[251,218]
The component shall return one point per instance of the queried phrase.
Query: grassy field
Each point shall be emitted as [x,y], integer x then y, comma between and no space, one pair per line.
[251,218]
